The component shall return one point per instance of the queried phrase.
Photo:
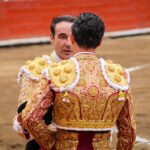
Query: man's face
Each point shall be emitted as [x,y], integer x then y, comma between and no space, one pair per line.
[62,40]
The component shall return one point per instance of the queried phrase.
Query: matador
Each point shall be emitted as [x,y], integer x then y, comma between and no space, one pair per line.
[60,32]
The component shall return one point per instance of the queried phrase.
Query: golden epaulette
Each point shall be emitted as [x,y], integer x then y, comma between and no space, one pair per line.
[63,75]
[115,75]
[33,69]
[36,66]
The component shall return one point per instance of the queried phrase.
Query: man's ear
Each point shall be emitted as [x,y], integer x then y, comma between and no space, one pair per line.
[51,38]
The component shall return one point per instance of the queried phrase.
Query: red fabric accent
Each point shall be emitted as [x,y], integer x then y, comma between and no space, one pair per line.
[85,140]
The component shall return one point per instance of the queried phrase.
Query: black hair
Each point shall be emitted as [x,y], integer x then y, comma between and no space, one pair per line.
[58,19]
[88,30]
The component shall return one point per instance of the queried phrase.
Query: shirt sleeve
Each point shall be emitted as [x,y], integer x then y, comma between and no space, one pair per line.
[33,113]
[126,125]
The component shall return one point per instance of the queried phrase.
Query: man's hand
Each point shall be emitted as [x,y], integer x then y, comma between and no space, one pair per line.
[17,126]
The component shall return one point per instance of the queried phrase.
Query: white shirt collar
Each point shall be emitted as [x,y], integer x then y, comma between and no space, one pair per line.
[58,59]
[83,53]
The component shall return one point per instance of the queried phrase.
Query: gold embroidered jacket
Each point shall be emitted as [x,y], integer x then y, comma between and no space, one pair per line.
[28,77]
[88,94]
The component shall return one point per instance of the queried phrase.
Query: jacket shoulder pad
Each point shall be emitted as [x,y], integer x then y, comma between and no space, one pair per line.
[33,69]
[115,75]
[63,75]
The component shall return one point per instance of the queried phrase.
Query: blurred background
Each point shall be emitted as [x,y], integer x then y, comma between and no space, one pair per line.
[24,34]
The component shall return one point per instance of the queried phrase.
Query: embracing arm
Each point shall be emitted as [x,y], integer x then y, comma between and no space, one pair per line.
[26,89]
[32,115]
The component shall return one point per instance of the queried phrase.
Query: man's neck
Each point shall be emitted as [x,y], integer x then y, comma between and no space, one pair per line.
[83,50]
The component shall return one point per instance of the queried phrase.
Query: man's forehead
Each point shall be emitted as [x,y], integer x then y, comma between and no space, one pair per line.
[63,33]
[63,27]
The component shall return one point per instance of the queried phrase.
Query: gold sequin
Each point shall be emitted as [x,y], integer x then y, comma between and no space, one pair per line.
[121,72]
[63,79]
[90,67]
[93,91]
[102,83]
[66,94]
[117,78]
[38,70]
[57,72]
[42,63]
[31,66]
[54,65]
[67,69]
[121,94]
[28,108]
[81,82]
[111,68]
[99,74]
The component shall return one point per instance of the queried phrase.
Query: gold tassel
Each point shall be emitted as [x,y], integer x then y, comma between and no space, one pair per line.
[121,96]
